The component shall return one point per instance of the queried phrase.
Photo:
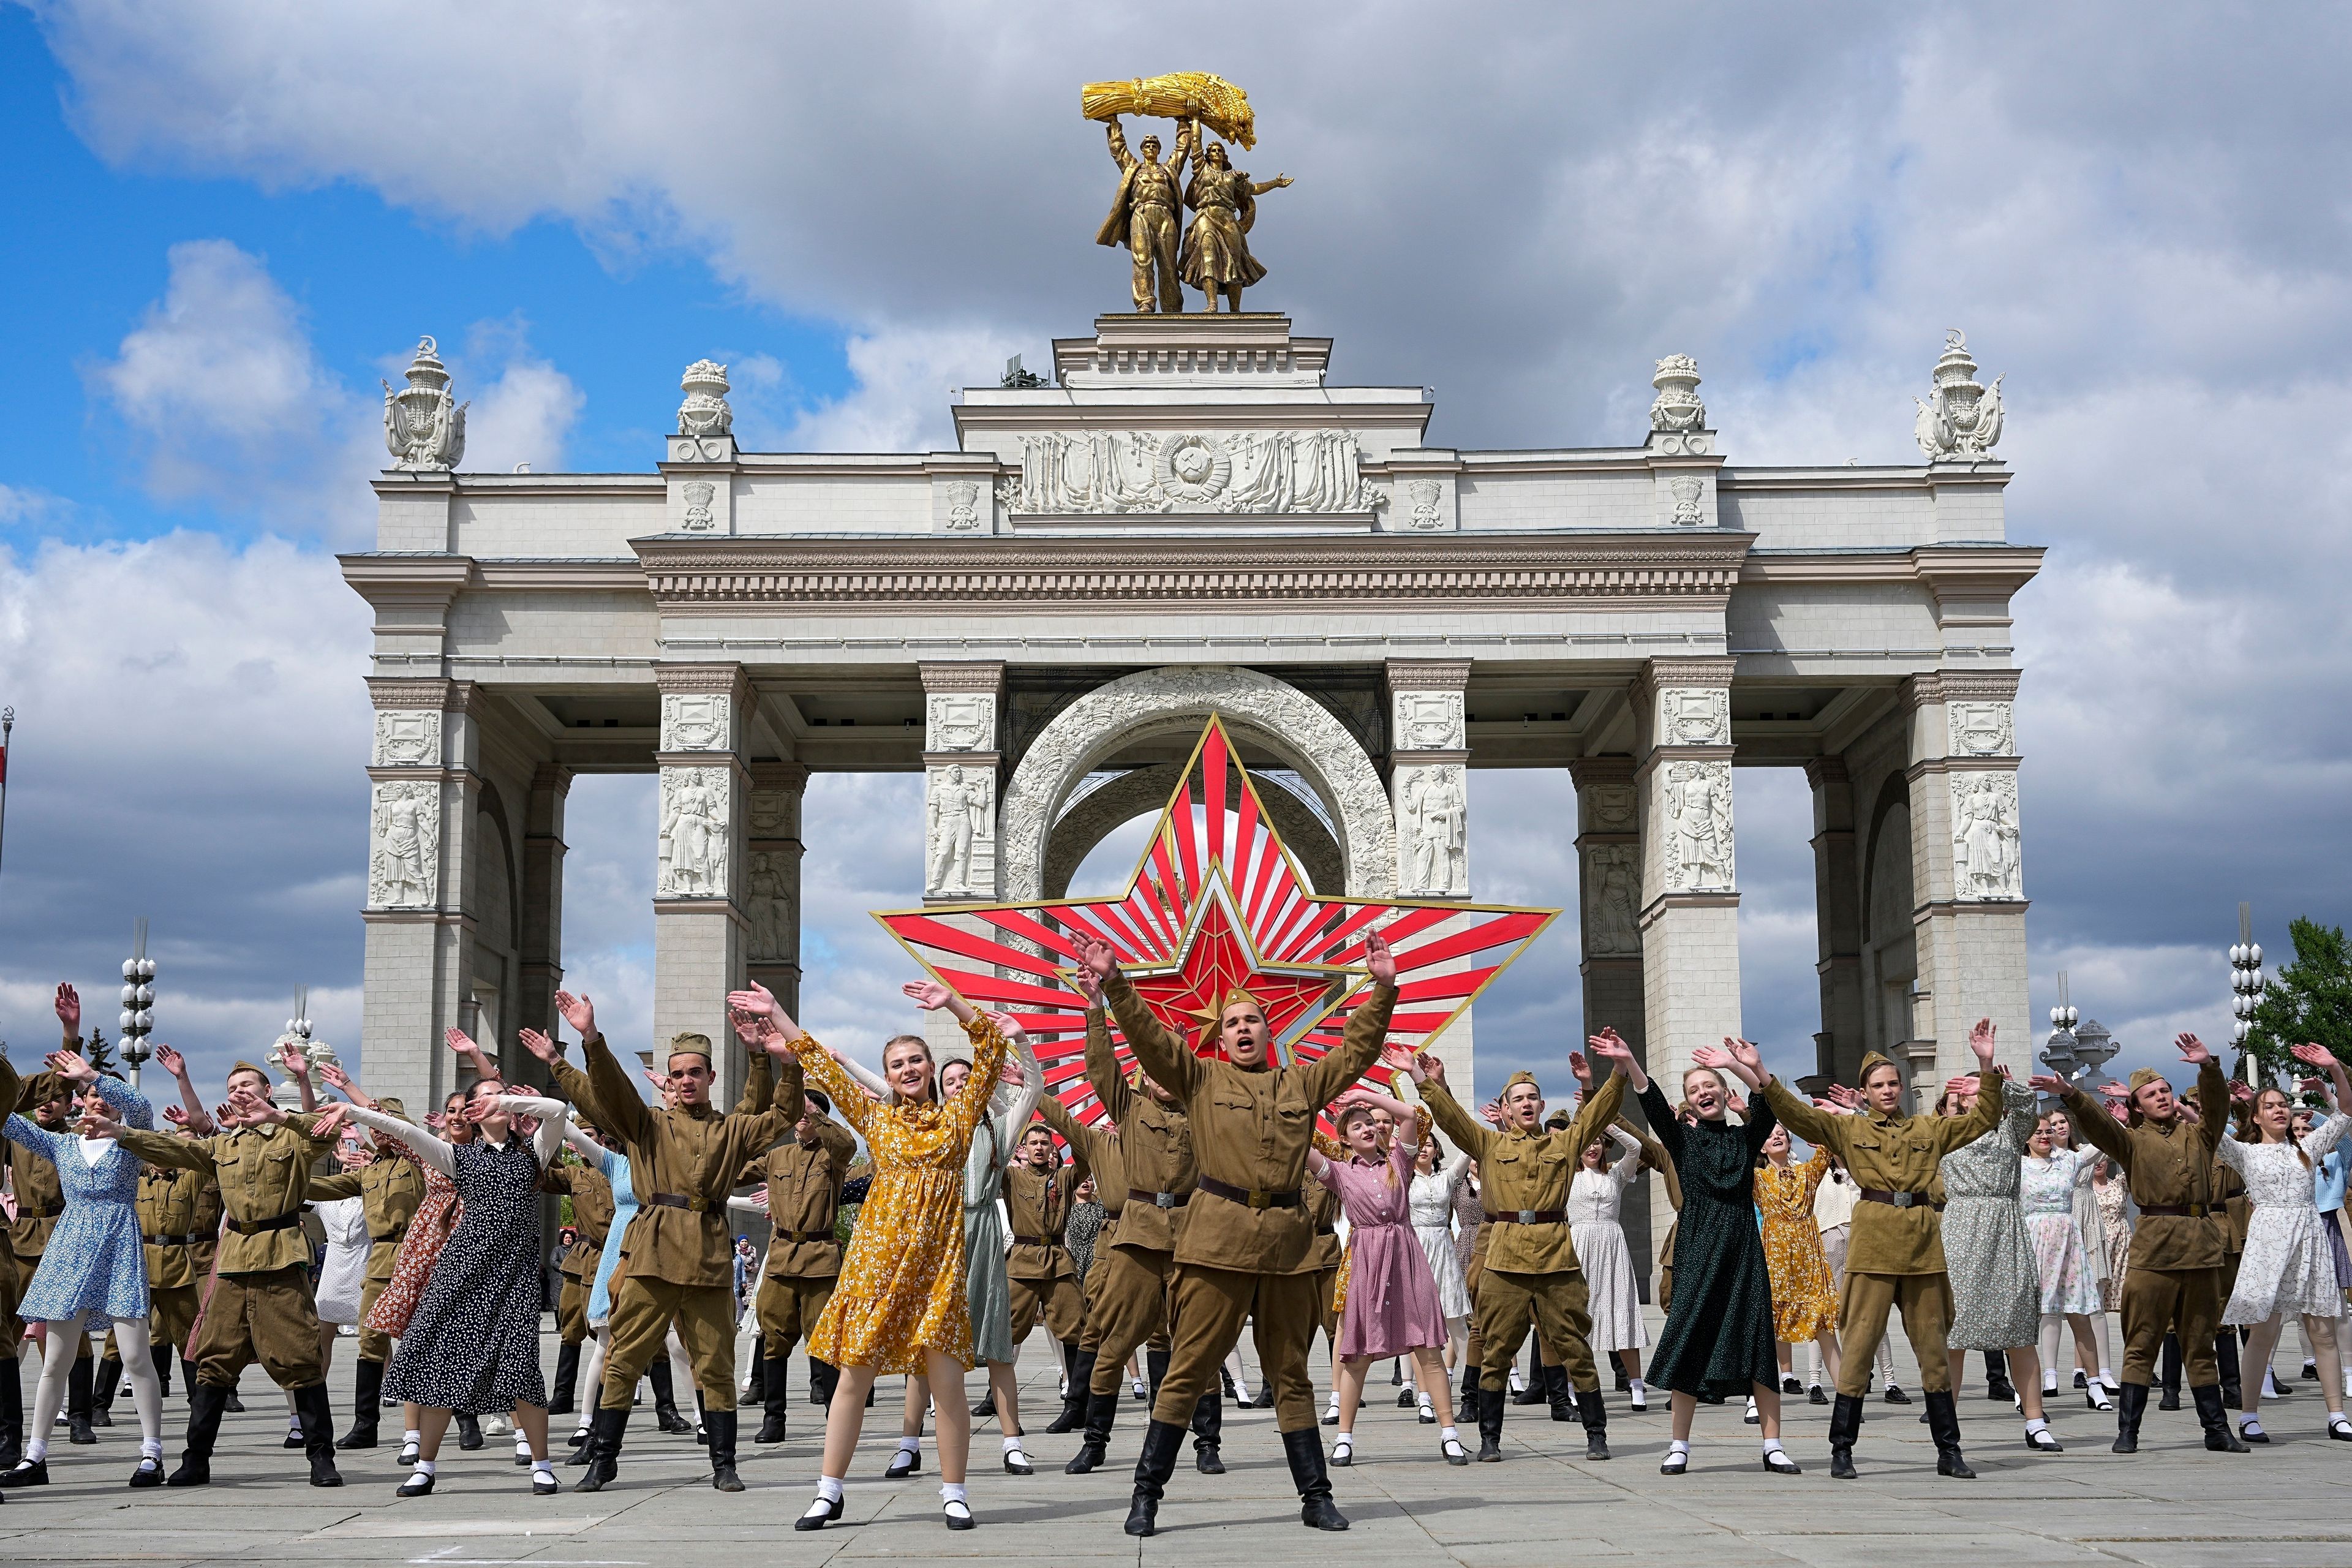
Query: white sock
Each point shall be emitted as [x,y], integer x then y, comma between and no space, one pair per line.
[1771,1444]
[150,1447]
[424,1467]
[1448,1435]
[1344,1440]
[1637,1386]
[35,1450]
[1679,1446]
[2106,1377]
[414,1436]
[828,1488]
[547,1465]
[911,1445]
[523,1443]
[2250,1423]
[951,1491]
[1013,1444]
[2036,1425]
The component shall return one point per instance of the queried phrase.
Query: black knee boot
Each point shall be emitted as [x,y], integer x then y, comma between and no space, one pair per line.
[2131,1404]
[105,1384]
[2225,1352]
[1564,1400]
[367,1404]
[12,1409]
[1102,1414]
[1208,1434]
[160,1355]
[1155,1367]
[317,1417]
[1161,1442]
[78,1397]
[1533,1393]
[720,1424]
[207,1404]
[1081,1370]
[469,1430]
[2168,1373]
[1595,1414]
[2220,1435]
[824,1378]
[774,1401]
[1845,1426]
[1997,1383]
[666,1416]
[1490,1426]
[1943,1427]
[603,1449]
[755,1387]
[1304,1449]
[567,1381]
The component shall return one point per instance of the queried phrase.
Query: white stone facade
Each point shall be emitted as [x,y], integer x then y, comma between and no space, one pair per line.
[1196,518]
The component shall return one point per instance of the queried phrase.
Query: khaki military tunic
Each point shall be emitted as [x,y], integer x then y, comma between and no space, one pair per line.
[682,1166]
[261,1308]
[1098,1149]
[1041,1277]
[390,1186]
[180,1219]
[2177,1258]
[592,1219]
[804,1179]
[1246,1234]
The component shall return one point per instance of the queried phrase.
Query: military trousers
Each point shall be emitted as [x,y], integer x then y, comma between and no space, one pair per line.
[375,1343]
[1130,1310]
[268,1318]
[1207,1305]
[1557,1304]
[1152,238]
[572,1311]
[789,1309]
[1926,1304]
[642,1310]
[2155,1299]
[1059,1303]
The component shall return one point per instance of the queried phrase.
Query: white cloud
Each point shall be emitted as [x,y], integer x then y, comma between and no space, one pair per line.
[902,377]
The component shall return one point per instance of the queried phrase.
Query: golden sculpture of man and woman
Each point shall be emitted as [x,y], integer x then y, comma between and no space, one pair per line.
[1213,256]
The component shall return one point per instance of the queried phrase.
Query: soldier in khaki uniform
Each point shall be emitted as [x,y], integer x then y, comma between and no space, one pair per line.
[1321,1264]
[180,1220]
[1149,1180]
[804,1175]
[1529,1274]
[2177,1248]
[260,1308]
[592,1222]
[1246,1235]
[1896,1256]
[391,1186]
[683,1161]
[1097,1152]
[1041,1277]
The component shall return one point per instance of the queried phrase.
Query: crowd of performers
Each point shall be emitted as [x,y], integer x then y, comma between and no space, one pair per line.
[1209,1201]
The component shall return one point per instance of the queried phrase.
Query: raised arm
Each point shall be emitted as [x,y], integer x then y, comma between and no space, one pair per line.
[1822,1128]
[431,1149]
[554,1116]
[1110,1085]
[129,1105]
[172,1062]
[1459,1126]
[1627,1170]
[616,1106]
[2089,1118]
[1367,1031]
[1033,1080]
[1166,1059]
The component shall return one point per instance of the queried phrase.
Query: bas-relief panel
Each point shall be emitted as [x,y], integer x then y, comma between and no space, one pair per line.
[694,825]
[1429,722]
[1986,837]
[408,737]
[404,851]
[961,721]
[1432,839]
[697,721]
[959,831]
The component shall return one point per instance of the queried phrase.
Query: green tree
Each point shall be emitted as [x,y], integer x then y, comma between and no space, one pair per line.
[2310,1000]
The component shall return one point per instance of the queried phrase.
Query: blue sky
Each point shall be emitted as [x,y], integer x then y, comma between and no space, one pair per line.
[228,222]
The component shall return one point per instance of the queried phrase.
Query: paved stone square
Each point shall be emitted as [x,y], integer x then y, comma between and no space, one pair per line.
[2172,1506]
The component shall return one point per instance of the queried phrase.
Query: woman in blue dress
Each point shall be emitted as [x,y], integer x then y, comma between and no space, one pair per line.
[94,1270]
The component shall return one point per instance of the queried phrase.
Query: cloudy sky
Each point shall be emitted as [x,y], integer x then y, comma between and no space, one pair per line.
[228,220]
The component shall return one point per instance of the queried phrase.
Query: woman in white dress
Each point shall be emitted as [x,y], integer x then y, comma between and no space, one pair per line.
[1435,1182]
[2091,1343]
[1610,1278]
[2051,1178]
[2288,1267]
[342,1275]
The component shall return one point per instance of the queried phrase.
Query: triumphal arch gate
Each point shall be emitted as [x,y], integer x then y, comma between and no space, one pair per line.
[1194,515]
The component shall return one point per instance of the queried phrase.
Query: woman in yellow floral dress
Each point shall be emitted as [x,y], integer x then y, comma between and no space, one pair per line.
[1804,1302]
[900,1305]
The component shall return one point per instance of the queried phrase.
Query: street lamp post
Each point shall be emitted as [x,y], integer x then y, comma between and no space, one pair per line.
[138,1019]
[2246,985]
[2059,1053]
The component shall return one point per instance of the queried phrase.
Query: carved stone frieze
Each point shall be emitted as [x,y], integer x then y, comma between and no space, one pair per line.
[771,906]
[1613,809]
[960,721]
[697,721]
[1985,837]
[1429,722]
[1694,815]
[1191,471]
[407,738]
[1612,899]
[1981,729]
[1432,812]
[693,833]
[404,851]
[1694,716]
[959,832]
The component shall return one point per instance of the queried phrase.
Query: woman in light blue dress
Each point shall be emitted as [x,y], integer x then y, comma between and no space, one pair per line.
[94,1270]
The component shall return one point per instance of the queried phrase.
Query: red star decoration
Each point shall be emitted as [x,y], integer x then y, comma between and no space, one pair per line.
[1215,903]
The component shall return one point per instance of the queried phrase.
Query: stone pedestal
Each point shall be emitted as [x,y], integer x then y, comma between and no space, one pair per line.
[771,889]
[700,932]
[1609,880]
[421,788]
[1970,924]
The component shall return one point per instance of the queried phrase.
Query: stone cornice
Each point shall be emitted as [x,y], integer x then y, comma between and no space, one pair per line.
[1428,674]
[978,676]
[716,577]
[407,691]
[1962,686]
[408,582]
[728,679]
[1659,673]
[1950,571]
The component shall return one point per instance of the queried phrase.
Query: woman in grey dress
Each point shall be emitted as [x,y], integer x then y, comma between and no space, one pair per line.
[1996,1293]
[988,1294]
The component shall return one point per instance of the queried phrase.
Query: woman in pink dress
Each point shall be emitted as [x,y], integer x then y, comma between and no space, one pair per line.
[1392,1307]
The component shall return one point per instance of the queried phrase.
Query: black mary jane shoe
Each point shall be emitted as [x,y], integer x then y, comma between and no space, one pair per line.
[1016,1463]
[902,1464]
[150,1473]
[1778,1463]
[2339,1431]
[418,1485]
[956,1514]
[293,1438]
[544,1484]
[407,1455]
[820,1513]
[2252,1433]
[1343,1456]
[1676,1461]
[1453,1452]
[2044,1442]
[27,1473]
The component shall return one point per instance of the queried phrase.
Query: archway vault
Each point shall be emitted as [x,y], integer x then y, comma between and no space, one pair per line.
[1095,815]
[1268,713]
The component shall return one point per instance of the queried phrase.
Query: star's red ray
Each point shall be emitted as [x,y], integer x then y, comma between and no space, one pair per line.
[1214,903]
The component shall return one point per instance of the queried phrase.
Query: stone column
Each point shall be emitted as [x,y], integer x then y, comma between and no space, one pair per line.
[699,929]
[1837,918]
[1609,882]
[962,772]
[540,963]
[417,827]
[772,901]
[1428,792]
[1965,839]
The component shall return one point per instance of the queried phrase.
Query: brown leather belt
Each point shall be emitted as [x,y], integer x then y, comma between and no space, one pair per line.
[2180,1211]
[34,1210]
[399,1233]
[1249,1197]
[1898,1200]
[263,1226]
[192,1239]
[1158,1200]
[1036,1241]
[799,1235]
[1529,1216]
[672,1201]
